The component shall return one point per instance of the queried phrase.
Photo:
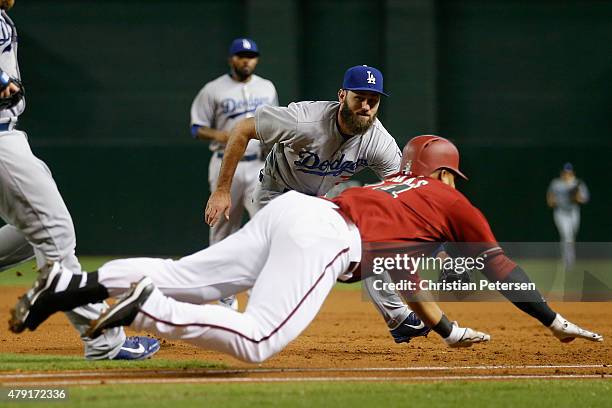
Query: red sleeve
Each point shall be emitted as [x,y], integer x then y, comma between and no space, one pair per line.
[468,224]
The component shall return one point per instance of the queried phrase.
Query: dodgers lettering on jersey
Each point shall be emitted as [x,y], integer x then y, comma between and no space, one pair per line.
[310,155]
[8,63]
[223,102]
[311,163]
[234,108]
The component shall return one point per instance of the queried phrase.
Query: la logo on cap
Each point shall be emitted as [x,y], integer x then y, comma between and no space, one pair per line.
[246,44]
[371,78]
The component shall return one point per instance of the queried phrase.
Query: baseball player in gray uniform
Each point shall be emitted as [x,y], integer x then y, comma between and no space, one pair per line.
[37,221]
[314,146]
[219,105]
[565,195]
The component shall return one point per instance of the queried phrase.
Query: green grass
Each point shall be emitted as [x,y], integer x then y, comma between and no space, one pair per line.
[31,362]
[541,394]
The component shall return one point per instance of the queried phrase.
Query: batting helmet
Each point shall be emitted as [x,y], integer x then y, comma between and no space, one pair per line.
[425,154]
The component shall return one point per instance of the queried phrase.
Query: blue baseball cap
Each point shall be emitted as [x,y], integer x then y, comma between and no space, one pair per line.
[568,167]
[245,45]
[363,78]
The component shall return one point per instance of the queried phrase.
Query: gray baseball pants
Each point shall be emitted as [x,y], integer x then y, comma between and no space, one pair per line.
[39,225]
[567,222]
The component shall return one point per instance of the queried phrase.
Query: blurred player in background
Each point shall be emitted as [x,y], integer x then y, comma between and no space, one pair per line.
[219,105]
[565,195]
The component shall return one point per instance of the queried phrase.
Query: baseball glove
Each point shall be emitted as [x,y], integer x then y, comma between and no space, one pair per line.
[575,194]
[12,100]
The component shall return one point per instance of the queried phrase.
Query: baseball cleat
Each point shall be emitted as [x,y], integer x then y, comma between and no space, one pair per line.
[465,337]
[567,331]
[469,337]
[30,311]
[125,310]
[411,327]
[137,348]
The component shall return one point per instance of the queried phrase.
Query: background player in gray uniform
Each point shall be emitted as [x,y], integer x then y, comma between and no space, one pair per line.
[565,195]
[38,222]
[219,105]
[315,145]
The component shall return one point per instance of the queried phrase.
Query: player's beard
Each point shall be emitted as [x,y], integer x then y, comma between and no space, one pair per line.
[243,73]
[354,122]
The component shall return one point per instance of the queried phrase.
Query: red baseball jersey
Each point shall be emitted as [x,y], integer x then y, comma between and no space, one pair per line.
[409,208]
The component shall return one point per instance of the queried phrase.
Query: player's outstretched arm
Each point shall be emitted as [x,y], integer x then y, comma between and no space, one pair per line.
[220,200]
[451,333]
[534,304]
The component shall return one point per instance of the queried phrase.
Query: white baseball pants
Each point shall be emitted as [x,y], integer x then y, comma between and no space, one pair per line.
[389,303]
[290,254]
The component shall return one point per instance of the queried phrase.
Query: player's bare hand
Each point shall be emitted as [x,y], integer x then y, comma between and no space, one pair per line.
[218,205]
[567,331]
[9,90]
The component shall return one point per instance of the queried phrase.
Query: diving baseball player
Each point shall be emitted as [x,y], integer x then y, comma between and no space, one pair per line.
[219,105]
[565,196]
[38,222]
[291,254]
[314,146]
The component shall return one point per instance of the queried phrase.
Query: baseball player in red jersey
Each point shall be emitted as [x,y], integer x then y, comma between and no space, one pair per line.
[291,254]
[422,204]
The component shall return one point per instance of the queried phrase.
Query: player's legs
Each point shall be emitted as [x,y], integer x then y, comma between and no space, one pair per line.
[565,222]
[251,179]
[388,303]
[262,197]
[31,202]
[221,270]
[14,247]
[224,227]
[307,248]
[575,222]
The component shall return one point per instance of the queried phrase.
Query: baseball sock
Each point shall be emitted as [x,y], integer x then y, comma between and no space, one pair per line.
[76,292]
[444,327]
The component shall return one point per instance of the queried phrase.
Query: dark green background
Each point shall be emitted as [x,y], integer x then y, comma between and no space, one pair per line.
[520,86]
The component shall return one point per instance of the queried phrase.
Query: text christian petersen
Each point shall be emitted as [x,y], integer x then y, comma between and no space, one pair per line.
[410,265]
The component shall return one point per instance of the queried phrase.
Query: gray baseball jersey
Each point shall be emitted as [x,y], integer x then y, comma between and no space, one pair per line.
[563,193]
[223,102]
[310,155]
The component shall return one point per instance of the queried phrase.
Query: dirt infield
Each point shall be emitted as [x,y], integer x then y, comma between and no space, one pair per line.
[348,339]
